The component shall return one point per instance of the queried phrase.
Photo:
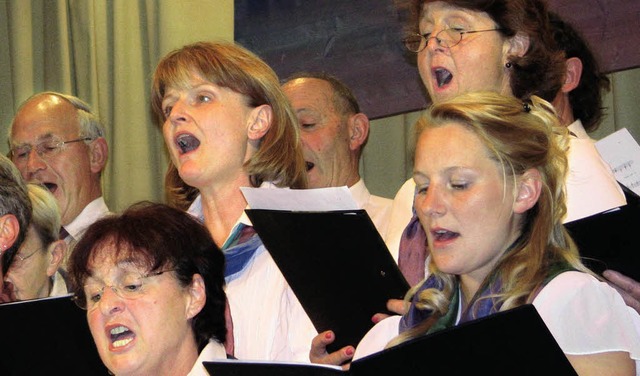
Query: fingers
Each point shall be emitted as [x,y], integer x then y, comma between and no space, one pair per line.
[398,306]
[629,285]
[379,317]
[318,352]
[628,288]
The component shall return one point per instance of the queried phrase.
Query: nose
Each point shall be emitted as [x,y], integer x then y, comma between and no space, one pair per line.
[434,43]
[431,204]
[34,163]
[179,112]
[110,302]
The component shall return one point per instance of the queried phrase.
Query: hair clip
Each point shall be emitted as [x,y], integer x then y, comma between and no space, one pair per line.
[526,107]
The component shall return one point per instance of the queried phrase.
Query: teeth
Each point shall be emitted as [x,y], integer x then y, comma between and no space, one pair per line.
[122,342]
[119,330]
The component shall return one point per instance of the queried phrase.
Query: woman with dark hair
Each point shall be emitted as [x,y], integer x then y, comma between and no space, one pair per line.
[152,282]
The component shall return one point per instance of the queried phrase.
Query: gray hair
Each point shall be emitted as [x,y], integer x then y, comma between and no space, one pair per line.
[13,200]
[89,123]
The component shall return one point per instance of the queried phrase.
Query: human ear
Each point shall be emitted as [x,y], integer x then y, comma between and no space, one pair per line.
[518,45]
[529,186]
[197,296]
[57,250]
[259,122]
[99,151]
[9,230]
[358,130]
[573,67]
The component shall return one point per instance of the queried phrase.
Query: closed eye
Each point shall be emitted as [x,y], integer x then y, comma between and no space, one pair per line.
[459,186]
[132,287]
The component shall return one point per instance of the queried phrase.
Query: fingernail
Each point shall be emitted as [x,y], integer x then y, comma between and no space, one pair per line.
[349,351]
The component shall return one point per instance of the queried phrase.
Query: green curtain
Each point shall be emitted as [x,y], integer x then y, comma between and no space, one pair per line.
[104,52]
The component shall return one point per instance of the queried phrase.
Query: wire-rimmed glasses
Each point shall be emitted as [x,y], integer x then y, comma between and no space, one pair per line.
[45,149]
[446,38]
[129,285]
[20,259]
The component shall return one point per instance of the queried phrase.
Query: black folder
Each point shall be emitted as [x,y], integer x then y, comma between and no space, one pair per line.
[337,265]
[610,240]
[514,342]
[47,337]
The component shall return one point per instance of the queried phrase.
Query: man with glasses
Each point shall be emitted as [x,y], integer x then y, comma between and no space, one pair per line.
[56,140]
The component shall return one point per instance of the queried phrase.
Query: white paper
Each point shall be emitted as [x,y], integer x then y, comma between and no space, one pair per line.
[621,151]
[317,199]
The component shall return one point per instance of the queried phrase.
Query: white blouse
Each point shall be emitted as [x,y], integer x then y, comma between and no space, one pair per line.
[584,315]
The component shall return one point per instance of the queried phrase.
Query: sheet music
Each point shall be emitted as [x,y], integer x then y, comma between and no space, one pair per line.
[621,151]
[318,199]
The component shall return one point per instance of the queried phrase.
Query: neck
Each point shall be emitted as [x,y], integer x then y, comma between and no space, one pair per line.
[221,212]
[563,108]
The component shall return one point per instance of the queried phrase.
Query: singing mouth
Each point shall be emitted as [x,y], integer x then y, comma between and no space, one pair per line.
[187,143]
[443,235]
[120,336]
[443,76]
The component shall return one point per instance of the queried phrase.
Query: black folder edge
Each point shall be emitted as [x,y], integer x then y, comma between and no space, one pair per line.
[47,336]
[342,252]
[514,342]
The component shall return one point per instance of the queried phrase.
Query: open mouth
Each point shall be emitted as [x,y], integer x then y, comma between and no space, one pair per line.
[52,187]
[187,143]
[120,336]
[443,76]
[310,165]
[444,235]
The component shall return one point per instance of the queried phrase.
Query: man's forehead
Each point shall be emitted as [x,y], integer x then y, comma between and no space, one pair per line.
[42,121]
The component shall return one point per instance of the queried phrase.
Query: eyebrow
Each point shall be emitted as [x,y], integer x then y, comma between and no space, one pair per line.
[43,137]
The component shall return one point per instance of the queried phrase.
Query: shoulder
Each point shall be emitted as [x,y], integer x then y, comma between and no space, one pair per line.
[587,316]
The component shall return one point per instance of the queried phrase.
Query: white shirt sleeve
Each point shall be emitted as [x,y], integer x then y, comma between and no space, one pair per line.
[587,316]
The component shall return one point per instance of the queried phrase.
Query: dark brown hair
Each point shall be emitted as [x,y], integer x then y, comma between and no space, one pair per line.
[159,237]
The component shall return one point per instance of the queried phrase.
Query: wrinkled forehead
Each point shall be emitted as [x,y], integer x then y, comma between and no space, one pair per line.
[109,255]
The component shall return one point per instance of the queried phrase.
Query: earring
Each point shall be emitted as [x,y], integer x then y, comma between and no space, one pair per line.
[508,65]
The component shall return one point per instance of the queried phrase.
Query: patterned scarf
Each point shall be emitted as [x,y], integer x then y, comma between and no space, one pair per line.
[482,304]
[413,252]
[239,249]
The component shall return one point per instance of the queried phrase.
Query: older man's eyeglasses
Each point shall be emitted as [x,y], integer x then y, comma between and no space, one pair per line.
[45,149]
[20,259]
[446,38]
[129,286]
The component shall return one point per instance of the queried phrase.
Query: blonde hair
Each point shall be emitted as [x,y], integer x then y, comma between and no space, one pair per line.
[279,157]
[45,218]
[520,136]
